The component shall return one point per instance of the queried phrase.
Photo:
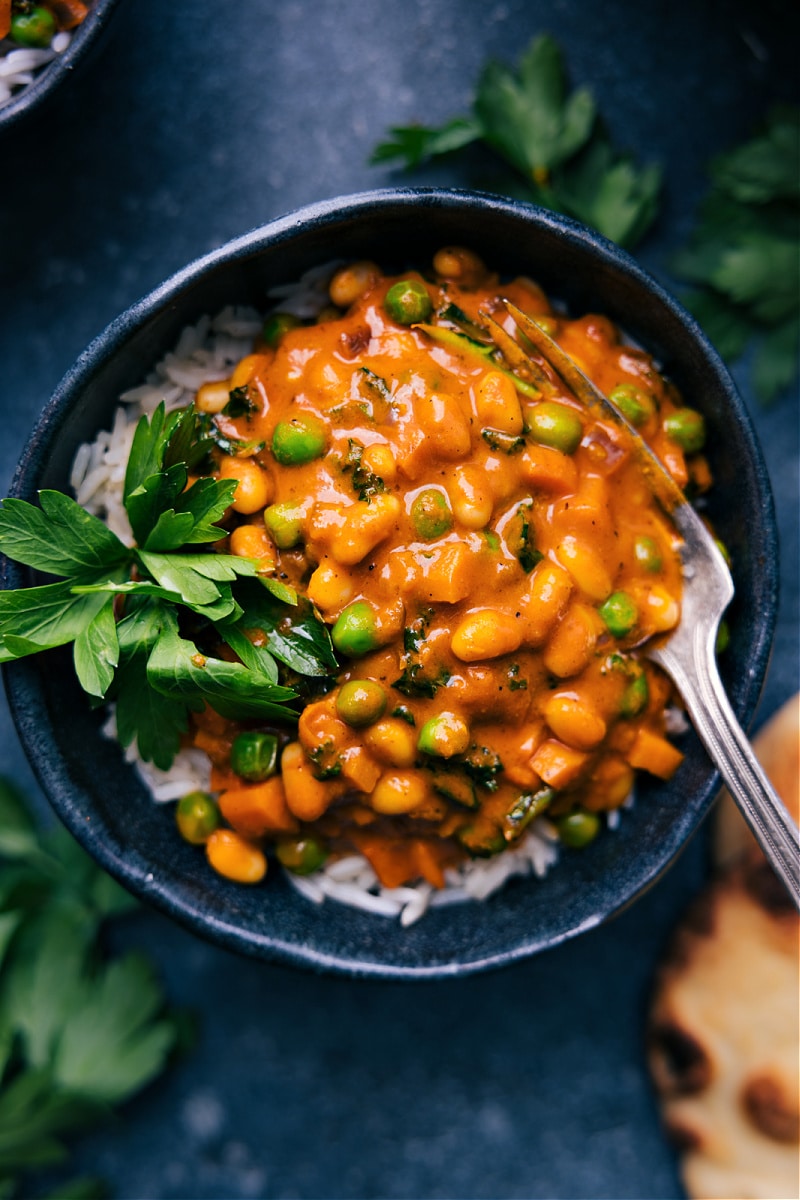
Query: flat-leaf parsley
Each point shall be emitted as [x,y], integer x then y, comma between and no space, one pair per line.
[554,140]
[148,622]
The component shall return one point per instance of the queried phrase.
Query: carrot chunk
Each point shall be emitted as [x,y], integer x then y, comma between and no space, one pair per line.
[653,753]
[258,809]
[558,765]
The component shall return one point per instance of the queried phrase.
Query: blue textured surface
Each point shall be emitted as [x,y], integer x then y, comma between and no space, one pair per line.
[191,128]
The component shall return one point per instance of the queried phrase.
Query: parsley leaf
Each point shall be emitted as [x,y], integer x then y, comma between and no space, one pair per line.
[529,118]
[78,1032]
[415,143]
[127,609]
[60,537]
[38,618]
[96,652]
[553,139]
[178,670]
[295,636]
[154,721]
[742,257]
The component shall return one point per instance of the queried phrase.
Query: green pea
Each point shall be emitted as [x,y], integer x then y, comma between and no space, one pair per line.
[276,325]
[360,702]
[298,441]
[647,553]
[619,613]
[634,403]
[577,829]
[301,856]
[687,428]
[34,28]
[635,697]
[408,302]
[356,631]
[197,816]
[284,524]
[723,637]
[553,424]
[444,735]
[431,515]
[254,756]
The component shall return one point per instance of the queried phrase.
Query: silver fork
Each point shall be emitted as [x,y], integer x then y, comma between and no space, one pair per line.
[687,654]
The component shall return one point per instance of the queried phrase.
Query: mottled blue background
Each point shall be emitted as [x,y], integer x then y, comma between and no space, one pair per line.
[196,122]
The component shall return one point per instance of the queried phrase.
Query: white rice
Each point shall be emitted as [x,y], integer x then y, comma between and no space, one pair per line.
[208,351]
[19,65]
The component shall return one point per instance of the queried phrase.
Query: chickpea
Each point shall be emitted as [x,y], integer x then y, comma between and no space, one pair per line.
[497,403]
[254,485]
[471,497]
[379,459]
[248,368]
[585,566]
[253,541]
[486,633]
[352,282]
[330,588]
[398,792]
[392,741]
[574,721]
[212,397]
[460,265]
[235,857]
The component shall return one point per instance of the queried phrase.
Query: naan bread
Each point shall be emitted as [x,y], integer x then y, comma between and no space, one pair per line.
[724,1041]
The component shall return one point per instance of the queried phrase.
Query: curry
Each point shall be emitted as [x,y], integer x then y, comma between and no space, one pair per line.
[487,556]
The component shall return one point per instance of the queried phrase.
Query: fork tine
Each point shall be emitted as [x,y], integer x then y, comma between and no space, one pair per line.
[661,482]
[516,356]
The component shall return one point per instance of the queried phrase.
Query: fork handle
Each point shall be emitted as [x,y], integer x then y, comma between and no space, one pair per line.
[731,752]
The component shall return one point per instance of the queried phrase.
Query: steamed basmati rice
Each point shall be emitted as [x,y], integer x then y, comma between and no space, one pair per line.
[19,65]
[208,351]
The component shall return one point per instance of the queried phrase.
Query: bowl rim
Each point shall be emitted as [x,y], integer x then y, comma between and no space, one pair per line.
[62,67]
[20,682]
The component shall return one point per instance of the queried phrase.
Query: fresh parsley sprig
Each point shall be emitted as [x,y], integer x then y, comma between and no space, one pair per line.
[146,622]
[553,138]
[743,257]
[79,1033]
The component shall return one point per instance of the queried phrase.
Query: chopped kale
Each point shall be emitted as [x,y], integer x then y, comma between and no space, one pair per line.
[241,403]
[366,483]
[515,684]
[525,547]
[404,713]
[327,762]
[414,680]
[483,766]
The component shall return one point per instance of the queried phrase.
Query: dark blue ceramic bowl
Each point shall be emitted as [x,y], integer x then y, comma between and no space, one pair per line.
[51,78]
[101,800]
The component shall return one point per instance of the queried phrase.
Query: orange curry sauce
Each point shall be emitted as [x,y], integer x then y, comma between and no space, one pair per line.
[491,620]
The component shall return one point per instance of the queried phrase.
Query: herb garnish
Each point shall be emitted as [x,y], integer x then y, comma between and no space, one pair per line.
[80,1033]
[414,680]
[743,255]
[241,403]
[553,138]
[366,483]
[524,546]
[483,765]
[180,601]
